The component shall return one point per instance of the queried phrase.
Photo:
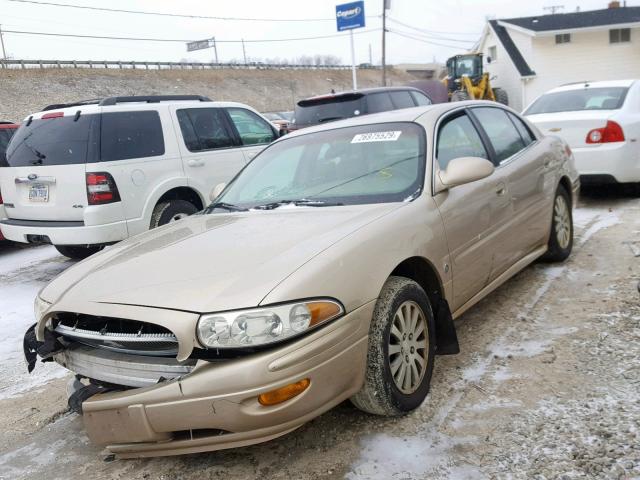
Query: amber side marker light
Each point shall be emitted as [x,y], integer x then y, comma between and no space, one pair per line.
[284,393]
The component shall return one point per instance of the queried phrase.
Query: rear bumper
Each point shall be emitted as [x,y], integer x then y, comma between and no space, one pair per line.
[64,233]
[216,405]
[620,161]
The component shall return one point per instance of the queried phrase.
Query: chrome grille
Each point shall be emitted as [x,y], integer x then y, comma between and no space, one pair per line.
[117,334]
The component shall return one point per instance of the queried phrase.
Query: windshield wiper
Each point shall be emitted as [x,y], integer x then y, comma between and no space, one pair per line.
[225,206]
[303,202]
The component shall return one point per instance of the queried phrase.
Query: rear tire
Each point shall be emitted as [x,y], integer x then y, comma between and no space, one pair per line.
[561,236]
[78,252]
[501,96]
[171,211]
[460,96]
[401,351]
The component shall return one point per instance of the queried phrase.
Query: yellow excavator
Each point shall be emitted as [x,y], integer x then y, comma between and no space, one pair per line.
[466,81]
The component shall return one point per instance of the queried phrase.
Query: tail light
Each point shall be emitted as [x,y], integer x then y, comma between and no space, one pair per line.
[1,201]
[612,132]
[101,189]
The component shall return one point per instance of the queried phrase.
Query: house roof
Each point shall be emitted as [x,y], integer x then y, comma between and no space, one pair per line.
[586,19]
[507,42]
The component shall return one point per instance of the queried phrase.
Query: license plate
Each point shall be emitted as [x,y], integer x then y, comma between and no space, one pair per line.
[39,193]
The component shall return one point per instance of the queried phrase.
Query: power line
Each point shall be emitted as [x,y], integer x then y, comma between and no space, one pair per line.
[406,35]
[175,40]
[179,15]
[431,38]
[432,32]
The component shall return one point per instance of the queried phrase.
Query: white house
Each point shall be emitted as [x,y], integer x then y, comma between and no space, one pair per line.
[531,55]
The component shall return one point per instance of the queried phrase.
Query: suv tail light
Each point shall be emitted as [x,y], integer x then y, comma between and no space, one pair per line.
[101,189]
[612,132]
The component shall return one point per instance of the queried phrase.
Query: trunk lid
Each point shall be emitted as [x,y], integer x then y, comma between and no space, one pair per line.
[573,127]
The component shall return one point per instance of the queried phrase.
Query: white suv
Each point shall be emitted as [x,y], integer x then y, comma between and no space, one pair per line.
[81,176]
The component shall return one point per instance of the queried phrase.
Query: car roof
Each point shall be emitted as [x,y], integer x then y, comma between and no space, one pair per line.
[361,91]
[587,84]
[133,106]
[401,115]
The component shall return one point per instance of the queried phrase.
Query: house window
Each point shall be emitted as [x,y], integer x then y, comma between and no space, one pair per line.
[563,38]
[620,35]
[493,53]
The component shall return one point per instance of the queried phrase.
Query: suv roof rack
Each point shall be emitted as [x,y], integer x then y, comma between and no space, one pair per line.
[151,99]
[54,106]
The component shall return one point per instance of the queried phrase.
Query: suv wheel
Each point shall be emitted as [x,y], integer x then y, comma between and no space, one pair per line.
[171,211]
[78,252]
[401,351]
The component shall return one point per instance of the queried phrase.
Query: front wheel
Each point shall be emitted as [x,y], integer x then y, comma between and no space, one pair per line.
[78,252]
[561,237]
[401,351]
[501,96]
[171,211]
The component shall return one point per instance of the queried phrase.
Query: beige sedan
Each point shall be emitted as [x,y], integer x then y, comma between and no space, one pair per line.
[331,268]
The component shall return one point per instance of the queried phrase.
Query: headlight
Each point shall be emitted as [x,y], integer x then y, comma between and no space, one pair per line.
[262,326]
[39,307]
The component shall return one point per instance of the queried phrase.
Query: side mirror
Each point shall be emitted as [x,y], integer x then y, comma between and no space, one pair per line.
[465,170]
[217,190]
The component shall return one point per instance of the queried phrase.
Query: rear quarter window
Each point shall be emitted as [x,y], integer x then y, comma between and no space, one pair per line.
[126,135]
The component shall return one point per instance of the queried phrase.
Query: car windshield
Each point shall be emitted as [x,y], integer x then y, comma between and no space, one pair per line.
[312,112]
[605,98]
[346,166]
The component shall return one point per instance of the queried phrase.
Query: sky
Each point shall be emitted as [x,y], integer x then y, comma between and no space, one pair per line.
[439,28]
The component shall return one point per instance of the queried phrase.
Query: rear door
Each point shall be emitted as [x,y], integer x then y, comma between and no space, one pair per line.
[44,173]
[211,152]
[254,132]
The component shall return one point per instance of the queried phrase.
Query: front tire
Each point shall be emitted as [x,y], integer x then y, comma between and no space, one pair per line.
[78,252]
[561,237]
[401,351]
[460,96]
[171,211]
[501,96]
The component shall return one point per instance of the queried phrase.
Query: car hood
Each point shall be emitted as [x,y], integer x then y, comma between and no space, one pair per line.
[210,262]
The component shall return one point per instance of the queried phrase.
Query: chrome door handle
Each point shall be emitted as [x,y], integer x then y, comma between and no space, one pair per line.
[195,163]
[35,180]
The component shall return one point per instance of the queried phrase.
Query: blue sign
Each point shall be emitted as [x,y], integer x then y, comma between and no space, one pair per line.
[350,15]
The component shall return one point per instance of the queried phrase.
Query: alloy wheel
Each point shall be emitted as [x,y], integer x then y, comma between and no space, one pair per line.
[562,222]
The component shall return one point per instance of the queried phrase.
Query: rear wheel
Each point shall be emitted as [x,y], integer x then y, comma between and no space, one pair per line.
[78,252]
[460,96]
[501,96]
[561,237]
[401,351]
[171,211]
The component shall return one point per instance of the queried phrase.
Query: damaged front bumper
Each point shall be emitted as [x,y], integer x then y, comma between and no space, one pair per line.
[212,405]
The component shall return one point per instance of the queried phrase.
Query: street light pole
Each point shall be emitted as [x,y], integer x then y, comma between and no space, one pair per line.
[215,49]
[4,54]
[384,46]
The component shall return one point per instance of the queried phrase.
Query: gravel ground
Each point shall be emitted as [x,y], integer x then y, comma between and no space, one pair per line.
[546,386]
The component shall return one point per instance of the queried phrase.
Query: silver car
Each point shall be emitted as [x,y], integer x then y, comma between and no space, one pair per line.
[330,268]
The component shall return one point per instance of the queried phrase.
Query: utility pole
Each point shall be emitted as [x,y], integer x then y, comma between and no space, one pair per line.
[384,47]
[370,56]
[553,8]
[215,48]
[244,52]
[4,54]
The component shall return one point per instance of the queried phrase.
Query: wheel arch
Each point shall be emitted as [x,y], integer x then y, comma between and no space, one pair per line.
[182,193]
[566,184]
[424,273]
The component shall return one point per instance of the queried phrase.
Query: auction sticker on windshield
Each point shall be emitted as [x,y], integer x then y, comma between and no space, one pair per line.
[377,137]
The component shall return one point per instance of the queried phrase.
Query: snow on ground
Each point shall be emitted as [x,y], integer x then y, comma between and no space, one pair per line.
[23,272]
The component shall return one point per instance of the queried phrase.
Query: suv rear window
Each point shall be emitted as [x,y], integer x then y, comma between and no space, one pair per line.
[314,111]
[89,138]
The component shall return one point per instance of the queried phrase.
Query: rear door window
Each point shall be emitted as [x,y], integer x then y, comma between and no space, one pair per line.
[502,133]
[420,98]
[126,135]
[402,99]
[204,129]
[252,129]
[54,141]
[379,102]
[458,138]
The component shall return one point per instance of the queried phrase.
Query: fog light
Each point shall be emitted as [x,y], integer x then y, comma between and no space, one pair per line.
[285,393]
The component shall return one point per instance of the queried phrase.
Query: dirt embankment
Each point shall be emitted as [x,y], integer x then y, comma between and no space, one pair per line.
[26,91]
